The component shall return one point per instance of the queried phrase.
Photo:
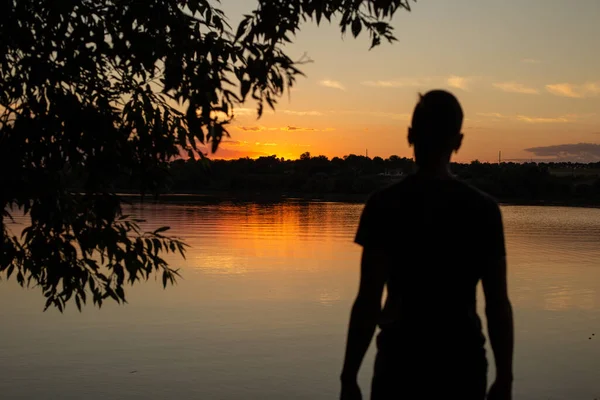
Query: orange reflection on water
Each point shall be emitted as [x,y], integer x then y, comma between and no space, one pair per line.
[284,251]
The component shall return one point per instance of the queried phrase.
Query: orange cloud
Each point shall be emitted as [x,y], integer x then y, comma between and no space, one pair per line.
[492,115]
[514,87]
[303,113]
[459,82]
[399,83]
[230,142]
[533,119]
[542,120]
[297,129]
[243,111]
[587,89]
[332,84]
[251,128]
[288,128]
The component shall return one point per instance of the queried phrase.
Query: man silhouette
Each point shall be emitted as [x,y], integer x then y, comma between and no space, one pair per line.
[429,239]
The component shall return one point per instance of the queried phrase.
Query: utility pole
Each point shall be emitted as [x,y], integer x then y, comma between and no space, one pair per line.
[500,157]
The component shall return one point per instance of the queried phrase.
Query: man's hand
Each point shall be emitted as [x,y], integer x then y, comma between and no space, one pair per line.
[350,391]
[500,390]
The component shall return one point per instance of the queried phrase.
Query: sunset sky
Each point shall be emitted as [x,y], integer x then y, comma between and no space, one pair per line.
[527,73]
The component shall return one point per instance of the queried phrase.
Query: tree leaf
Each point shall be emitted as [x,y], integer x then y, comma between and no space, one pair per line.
[162,229]
[245,88]
[356,27]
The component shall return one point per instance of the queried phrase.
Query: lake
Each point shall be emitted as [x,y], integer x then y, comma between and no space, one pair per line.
[263,304]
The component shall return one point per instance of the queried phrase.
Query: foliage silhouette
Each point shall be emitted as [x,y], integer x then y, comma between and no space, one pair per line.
[115,87]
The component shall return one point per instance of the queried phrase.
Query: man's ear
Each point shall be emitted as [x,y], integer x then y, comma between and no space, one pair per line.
[411,139]
[458,142]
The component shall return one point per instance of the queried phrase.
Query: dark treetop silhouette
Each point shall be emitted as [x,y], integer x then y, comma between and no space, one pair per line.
[355,176]
[100,84]
[429,239]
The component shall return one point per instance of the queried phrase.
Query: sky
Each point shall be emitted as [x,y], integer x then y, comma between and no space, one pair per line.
[526,72]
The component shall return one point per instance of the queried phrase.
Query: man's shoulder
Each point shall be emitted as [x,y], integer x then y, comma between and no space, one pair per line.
[460,190]
[391,192]
[477,196]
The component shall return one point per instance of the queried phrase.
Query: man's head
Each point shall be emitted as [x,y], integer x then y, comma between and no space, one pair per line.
[435,131]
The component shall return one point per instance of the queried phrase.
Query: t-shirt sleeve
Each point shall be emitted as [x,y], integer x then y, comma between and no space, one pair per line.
[367,226]
[494,244]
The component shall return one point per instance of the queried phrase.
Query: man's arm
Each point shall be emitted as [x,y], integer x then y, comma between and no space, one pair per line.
[366,310]
[500,319]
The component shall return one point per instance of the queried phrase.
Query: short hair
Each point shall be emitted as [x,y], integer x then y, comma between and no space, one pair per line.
[437,117]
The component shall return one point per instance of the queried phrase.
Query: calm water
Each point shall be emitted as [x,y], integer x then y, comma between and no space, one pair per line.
[262,308]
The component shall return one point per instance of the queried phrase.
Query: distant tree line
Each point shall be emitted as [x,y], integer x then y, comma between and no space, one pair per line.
[356,175]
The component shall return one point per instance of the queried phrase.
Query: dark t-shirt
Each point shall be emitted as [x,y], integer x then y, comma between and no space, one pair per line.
[439,235]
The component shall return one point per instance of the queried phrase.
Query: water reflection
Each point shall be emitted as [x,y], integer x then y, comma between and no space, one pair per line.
[262,307]
[563,299]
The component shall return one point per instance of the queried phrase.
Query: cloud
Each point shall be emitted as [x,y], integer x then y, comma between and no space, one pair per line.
[582,152]
[229,142]
[563,89]
[532,119]
[542,120]
[398,83]
[252,128]
[459,82]
[332,84]
[492,115]
[297,129]
[295,113]
[514,87]
[587,89]
[245,112]
[530,61]
[238,112]
[265,144]
[303,113]
[287,128]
